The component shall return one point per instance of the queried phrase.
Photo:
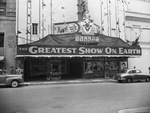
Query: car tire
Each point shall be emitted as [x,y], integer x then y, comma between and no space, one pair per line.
[147,79]
[120,81]
[129,80]
[14,83]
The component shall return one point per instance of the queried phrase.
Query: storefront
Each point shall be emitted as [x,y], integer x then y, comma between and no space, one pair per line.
[62,57]
[76,50]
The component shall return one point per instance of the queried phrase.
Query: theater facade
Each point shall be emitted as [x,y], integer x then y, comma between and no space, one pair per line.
[75,50]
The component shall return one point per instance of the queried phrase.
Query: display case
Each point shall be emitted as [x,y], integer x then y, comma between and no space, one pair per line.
[54,70]
[93,68]
[104,67]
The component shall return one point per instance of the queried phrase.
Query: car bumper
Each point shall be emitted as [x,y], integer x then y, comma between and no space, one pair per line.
[120,78]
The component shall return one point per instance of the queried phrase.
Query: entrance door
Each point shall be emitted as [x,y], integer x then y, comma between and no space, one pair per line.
[75,69]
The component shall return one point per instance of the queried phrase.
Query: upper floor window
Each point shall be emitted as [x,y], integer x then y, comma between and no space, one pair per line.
[34,28]
[2,8]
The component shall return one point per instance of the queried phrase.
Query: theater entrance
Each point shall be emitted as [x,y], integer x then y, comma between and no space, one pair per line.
[74,68]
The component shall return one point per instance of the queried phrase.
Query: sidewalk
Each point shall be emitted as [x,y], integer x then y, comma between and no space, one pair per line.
[76,81]
[136,110]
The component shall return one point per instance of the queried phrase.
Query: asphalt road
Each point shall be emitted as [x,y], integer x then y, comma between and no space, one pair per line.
[75,98]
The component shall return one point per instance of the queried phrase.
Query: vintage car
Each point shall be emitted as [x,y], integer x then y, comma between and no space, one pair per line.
[12,80]
[130,75]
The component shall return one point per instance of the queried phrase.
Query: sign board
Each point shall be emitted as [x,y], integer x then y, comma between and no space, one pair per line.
[80,50]
[65,28]
[85,27]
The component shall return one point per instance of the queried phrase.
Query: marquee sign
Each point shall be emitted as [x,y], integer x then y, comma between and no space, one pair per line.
[85,27]
[65,28]
[81,50]
[87,40]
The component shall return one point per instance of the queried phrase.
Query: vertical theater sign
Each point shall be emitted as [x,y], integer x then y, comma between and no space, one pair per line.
[75,50]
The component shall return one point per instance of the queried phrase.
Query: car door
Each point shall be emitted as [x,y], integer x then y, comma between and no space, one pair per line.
[141,76]
[2,79]
[135,75]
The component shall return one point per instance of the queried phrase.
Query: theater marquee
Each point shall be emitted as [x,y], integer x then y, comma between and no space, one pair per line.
[68,50]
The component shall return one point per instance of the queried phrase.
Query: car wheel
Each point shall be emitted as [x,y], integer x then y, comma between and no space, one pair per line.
[147,79]
[14,83]
[120,81]
[129,80]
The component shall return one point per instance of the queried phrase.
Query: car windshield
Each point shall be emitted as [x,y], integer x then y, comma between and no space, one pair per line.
[2,72]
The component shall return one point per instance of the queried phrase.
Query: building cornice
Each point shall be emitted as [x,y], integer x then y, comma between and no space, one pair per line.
[138,19]
[132,12]
[145,45]
[148,1]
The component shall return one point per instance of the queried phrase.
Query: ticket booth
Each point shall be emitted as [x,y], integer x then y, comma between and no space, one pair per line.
[54,70]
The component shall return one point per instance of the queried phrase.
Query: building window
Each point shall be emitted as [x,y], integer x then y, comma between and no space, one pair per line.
[1,39]
[35,28]
[2,8]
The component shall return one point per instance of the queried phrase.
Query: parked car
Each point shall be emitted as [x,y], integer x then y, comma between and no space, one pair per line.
[12,80]
[130,75]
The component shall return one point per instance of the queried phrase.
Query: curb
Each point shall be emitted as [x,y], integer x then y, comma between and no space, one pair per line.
[136,110]
[67,82]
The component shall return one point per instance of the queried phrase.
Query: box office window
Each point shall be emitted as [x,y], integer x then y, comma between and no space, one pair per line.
[1,39]
[55,66]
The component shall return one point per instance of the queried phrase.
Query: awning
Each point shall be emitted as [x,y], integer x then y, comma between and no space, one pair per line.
[77,45]
[70,56]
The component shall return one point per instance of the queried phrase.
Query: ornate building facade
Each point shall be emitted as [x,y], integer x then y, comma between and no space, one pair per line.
[116,18]
[7,35]
[138,27]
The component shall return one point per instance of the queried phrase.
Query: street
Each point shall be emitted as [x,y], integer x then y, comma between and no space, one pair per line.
[75,98]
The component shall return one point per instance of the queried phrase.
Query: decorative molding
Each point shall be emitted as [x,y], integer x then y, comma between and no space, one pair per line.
[144,1]
[146,28]
[138,19]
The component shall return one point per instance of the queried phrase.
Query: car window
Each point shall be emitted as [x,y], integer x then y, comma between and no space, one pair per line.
[130,71]
[133,71]
[138,71]
[2,72]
